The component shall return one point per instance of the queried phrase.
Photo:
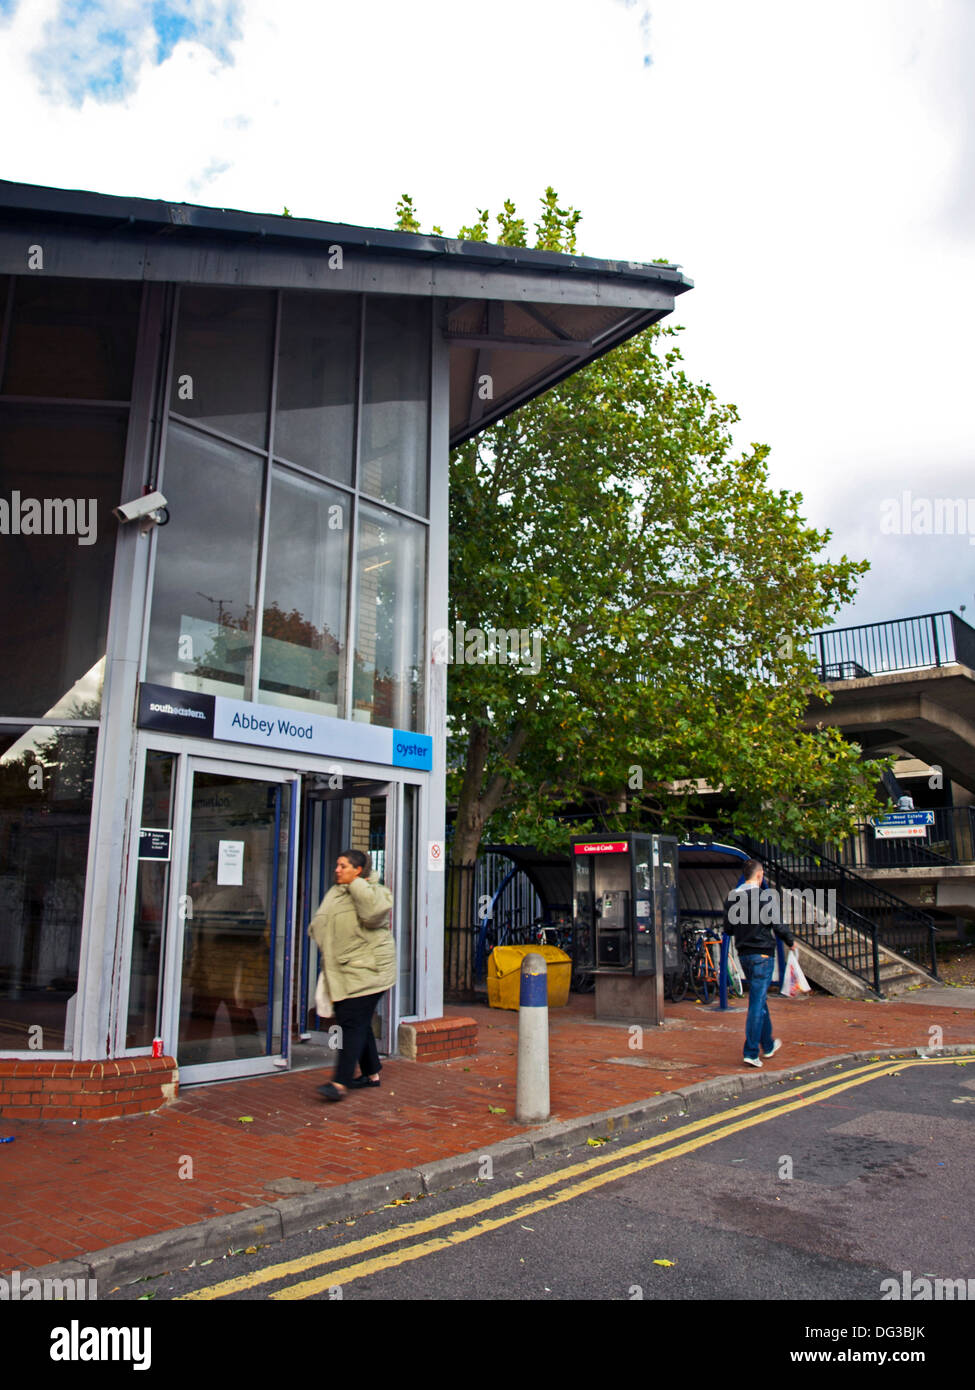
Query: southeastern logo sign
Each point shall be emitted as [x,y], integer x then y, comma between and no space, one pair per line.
[271,726]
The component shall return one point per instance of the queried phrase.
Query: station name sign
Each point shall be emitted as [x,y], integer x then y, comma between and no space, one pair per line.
[272,726]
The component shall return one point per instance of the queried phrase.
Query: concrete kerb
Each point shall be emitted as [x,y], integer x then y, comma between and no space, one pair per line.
[505,1157]
[271,1222]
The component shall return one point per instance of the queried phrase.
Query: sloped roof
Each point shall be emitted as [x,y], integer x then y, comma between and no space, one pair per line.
[523,318]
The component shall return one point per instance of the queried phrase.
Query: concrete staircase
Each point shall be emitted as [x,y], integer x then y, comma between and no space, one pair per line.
[847,948]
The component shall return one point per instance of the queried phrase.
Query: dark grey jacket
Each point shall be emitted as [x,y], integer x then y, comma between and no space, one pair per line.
[751,916]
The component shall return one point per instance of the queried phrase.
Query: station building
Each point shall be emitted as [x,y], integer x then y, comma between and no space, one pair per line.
[200,707]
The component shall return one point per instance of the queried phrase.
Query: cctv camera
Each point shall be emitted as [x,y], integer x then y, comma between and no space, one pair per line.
[148,508]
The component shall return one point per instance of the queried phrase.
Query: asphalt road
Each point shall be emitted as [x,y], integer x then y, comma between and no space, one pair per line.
[819,1192]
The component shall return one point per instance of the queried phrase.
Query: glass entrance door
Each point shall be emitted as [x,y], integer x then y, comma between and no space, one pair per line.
[357,816]
[232,938]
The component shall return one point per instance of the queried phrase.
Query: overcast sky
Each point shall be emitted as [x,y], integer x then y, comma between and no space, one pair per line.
[810,167]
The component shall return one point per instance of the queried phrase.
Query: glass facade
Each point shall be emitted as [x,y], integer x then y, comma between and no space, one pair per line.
[305,595]
[292,571]
[205,587]
[296,470]
[60,476]
[46,777]
[390,570]
[67,357]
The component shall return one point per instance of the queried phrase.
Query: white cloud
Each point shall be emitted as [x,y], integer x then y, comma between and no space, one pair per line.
[807,166]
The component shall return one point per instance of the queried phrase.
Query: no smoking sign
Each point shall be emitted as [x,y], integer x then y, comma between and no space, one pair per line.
[435,855]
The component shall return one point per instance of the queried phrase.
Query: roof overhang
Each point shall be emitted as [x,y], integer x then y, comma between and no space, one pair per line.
[525,319]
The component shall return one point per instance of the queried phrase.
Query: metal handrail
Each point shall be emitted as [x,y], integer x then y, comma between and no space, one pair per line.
[903,644]
[874,905]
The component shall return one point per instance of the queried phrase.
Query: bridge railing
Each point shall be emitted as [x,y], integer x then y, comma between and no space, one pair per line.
[906,644]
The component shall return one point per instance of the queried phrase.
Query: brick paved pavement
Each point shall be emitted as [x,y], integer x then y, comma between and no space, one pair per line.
[68,1189]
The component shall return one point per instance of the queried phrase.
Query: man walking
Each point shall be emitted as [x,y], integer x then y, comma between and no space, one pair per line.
[751,915]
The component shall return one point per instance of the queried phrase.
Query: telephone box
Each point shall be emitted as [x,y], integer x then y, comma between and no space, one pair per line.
[625,921]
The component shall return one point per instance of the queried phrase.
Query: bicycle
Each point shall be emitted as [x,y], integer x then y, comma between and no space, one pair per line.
[677,983]
[696,941]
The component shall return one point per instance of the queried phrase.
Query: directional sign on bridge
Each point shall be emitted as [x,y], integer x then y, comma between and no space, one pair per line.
[902,825]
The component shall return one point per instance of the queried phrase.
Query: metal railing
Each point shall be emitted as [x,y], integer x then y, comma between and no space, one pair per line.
[906,644]
[867,917]
[487,904]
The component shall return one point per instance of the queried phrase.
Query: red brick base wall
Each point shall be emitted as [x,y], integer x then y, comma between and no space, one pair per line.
[86,1090]
[436,1039]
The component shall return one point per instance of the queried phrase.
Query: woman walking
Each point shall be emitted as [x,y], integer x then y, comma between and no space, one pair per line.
[351,929]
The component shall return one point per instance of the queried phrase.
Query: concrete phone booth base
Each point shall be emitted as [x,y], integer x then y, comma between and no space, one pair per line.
[630,998]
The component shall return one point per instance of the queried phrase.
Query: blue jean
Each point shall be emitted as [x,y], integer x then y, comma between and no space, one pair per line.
[758,1025]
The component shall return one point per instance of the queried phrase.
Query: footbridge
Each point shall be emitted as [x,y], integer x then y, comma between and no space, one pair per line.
[908,687]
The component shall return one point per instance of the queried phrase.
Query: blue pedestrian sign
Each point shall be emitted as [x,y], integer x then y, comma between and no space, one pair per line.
[902,825]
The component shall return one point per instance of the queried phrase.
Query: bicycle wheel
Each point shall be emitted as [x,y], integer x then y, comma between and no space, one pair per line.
[680,983]
[699,980]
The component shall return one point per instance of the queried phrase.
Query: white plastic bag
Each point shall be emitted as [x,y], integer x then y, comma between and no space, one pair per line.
[323,1005]
[794,982]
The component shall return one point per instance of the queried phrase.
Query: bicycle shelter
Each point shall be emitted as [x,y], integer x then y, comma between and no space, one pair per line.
[625,921]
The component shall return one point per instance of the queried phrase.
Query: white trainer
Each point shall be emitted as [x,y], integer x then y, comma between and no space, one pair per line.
[751,1061]
[776,1044]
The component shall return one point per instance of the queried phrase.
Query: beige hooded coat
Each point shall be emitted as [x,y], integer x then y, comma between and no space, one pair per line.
[351,929]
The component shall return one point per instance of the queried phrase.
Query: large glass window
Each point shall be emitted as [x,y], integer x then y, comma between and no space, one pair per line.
[60,476]
[204,594]
[46,776]
[390,588]
[339,441]
[317,365]
[222,362]
[395,393]
[303,642]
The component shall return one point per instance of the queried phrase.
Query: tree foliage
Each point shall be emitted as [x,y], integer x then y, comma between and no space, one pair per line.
[668,592]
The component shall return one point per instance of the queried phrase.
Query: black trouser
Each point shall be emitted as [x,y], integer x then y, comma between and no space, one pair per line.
[354,1017]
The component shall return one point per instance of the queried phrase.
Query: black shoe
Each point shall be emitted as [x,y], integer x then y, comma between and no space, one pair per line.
[360,1081]
[330,1092]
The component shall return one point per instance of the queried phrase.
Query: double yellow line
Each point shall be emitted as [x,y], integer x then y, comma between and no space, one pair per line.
[695,1135]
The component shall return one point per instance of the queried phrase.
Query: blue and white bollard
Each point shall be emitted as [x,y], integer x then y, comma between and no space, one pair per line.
[532,1102]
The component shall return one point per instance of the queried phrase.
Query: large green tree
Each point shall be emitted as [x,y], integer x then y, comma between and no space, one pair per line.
[666,591]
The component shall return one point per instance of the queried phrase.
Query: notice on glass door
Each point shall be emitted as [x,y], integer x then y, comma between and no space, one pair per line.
[230,863]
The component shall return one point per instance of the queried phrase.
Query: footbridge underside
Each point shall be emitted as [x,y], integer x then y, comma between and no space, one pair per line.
[930,714]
